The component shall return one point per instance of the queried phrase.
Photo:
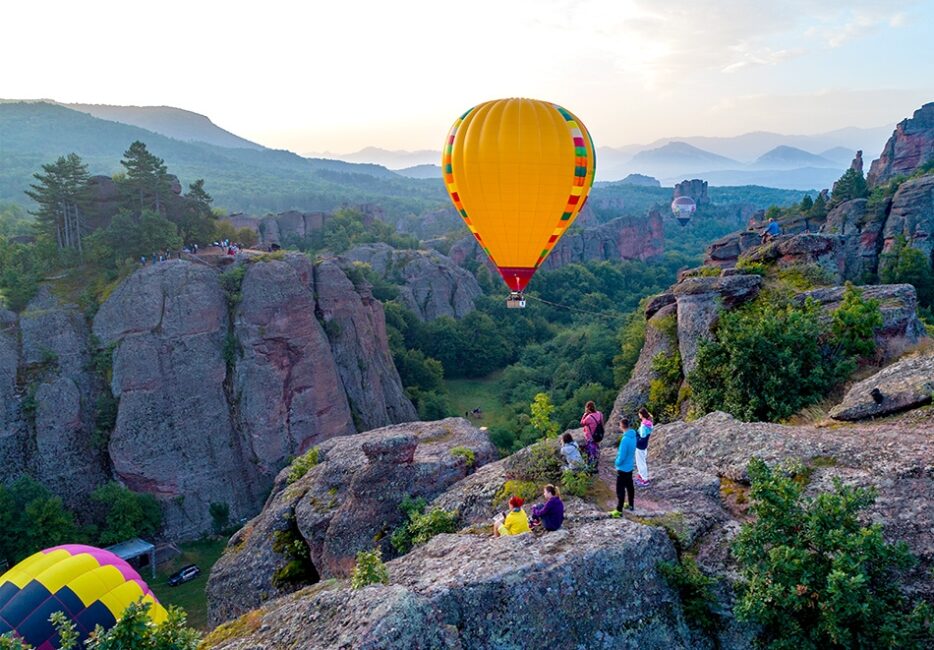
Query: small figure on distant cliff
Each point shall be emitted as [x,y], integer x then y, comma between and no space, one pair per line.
[572,453]
[771,230]
[625,459]
[592,421]
[514,522]
[549,515]
[642,447]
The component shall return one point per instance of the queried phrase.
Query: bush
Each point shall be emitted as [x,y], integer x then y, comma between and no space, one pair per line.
[695,591]
[419,526]
[541,409]
[767,361]
[540,463]
[369,570]
[467,454]
[576,483]
[302,464]
[298,568]
[121,514]
[753,268]
[220,516]
[909,265]
[855,322]
[816,577]
[803,277]
[663,390]
[527,490]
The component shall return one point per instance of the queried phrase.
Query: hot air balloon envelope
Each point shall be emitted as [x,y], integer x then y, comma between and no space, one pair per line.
[683,208]
[89,585]
[518,172]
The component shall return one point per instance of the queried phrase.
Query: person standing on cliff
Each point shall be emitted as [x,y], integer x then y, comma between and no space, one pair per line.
[625,459]
[642,447]
[592,421]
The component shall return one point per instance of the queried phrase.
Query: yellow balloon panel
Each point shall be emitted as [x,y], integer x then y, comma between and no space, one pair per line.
[518,172]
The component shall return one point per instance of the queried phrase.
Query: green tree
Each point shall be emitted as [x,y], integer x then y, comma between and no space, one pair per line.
[816,576]
[541,409]
[128,237]
[61,194]
[146,184]
[855,322]
[851,186]
[904,263]
[819,209]
[122,514]
[806,204]
[135,630]
[32,518]
[195,219]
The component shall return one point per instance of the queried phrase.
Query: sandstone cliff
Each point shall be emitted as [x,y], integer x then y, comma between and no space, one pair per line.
[217,380]
[911,145]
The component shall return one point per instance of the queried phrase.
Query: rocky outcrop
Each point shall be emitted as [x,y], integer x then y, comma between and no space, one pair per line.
[175,436]
[699,302]
[624,238]
[463,591]
[725,251]
[430,284]
[901,327]
[695,189]
[861,227]
[906,384]
[912,216]
[824,251]
[344,503]
[289,227]
[640,179]
[356,327]
[910,146]
[285,383]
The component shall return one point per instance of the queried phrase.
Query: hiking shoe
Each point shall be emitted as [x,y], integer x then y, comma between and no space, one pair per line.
[615,514]
[630,507]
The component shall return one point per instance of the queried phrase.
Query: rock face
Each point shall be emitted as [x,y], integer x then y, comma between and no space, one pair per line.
[912,216]
[213,390]
[356,327]
[911,145]
[431,284]
[342,505]
[624,238]
[901,327]
[461,591]
[904,385]
[821,250]
[289,227]
[695,188]
[640,179]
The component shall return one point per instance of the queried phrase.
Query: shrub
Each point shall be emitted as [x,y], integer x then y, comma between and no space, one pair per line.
[539,463]
[231,283]
[542,409]
[855,322]
[369,570]
[663,390]
[302,464]
[906,264]
[528,490]
[298,568]
[767,361]
[220,516]
[753,268]
[467,454]
[816,577]
[695,591]
[803,277]
[121,514]
[576,483]
[419,526]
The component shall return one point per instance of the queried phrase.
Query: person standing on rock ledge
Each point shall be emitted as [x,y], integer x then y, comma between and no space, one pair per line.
[642,447]
[592,421]
[625,458]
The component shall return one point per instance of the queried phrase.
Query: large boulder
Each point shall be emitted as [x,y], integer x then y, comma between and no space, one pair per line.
[700,301]
[822,250]
[341,505]
[175,437]
[594,586]
[356,327]
[910,146]
[901,328]
[694,188]
[13,437]
[431,285]
[904,385]
[285,382]
[861,226]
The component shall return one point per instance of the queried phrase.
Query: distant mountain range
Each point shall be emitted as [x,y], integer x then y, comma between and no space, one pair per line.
[770,159]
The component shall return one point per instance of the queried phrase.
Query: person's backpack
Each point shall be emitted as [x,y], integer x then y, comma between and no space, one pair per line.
[598,431]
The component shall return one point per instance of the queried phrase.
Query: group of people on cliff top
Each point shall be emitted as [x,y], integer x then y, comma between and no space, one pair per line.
[631,455]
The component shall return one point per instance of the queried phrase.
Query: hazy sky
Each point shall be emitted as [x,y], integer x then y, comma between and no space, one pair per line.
[340,75]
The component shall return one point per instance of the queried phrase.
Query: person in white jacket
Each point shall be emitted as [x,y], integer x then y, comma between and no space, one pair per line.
[642,448]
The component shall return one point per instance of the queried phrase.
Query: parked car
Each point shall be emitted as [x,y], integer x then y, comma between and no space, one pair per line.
[185,574]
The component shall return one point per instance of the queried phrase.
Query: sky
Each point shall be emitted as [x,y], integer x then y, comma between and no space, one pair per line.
[338,76]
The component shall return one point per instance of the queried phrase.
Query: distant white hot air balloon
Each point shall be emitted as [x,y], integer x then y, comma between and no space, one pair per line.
[683,208]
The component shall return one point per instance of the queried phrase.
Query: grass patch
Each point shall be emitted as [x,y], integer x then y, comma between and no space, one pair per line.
[528,490]
[671,522]
[190,596]
[467,394]
[235,629]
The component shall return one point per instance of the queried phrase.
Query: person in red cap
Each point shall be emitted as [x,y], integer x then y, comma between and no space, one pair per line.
[515,522]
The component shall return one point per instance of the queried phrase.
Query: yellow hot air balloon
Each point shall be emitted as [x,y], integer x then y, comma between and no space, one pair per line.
[518,172]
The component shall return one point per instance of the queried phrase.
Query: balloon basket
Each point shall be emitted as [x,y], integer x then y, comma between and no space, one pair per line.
[515,300]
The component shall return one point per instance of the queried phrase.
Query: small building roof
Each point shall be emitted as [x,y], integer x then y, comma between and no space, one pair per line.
[132,548]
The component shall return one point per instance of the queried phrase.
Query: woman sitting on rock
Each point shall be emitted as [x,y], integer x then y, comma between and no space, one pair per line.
[550,515]
[515,522]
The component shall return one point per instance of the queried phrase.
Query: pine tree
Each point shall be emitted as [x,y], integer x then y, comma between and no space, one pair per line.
[806,204]
[62,196]
[146,183]
[819,209]
[851,186]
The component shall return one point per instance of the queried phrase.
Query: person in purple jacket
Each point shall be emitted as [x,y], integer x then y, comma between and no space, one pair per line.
[550,515]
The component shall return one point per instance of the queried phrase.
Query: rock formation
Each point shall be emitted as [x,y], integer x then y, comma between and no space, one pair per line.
[288,227]
[911,145]
[695,188]
[214,387]
[640,179]
[431,285]
[906,384]
[624,238]
[911,216]
[342,505]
